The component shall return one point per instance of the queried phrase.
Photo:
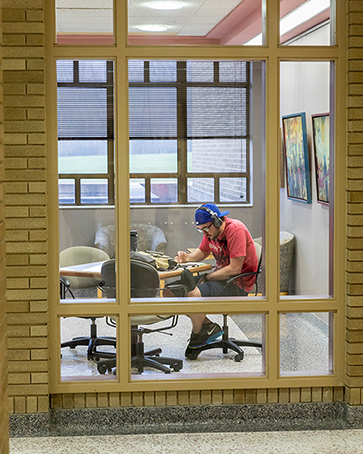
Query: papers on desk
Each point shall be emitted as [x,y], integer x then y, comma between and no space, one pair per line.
[191,264]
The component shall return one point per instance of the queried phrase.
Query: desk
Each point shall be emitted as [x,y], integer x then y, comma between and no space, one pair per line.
[94,270]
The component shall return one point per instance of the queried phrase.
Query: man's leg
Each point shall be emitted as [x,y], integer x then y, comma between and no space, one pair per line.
[197,319]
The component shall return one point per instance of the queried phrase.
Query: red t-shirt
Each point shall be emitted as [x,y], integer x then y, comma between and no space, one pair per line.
[236,241]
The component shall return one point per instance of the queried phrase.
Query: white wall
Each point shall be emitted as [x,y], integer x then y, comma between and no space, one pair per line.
[305,88]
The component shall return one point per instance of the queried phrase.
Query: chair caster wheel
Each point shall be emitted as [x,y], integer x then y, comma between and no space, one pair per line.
[177,367]
[101,368]
[239,357]
[191,354]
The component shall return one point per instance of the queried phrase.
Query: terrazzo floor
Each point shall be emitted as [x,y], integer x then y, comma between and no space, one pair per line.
[292,442]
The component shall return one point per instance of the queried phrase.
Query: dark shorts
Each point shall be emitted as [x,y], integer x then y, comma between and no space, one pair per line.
[217,288]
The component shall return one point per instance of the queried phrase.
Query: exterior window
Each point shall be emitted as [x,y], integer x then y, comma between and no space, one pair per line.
[189,132]
[85,132]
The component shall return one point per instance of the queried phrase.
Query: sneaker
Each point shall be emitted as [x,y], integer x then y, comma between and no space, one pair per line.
[209,332]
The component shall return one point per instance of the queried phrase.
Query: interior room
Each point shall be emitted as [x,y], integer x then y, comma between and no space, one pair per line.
[305,228]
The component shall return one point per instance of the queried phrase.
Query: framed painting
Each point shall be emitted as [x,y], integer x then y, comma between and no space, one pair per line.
[296,153]
[321,156]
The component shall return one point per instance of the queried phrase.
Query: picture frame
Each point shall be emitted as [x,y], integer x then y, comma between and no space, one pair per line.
[320,126]
[296,154]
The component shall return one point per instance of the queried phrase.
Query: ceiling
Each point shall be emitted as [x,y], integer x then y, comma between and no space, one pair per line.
[198,21]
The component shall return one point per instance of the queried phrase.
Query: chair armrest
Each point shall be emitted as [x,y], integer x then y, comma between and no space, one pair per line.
[252,273]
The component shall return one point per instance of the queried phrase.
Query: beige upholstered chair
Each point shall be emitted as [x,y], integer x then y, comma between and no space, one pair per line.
[77,255]
[149,238]
[287,244]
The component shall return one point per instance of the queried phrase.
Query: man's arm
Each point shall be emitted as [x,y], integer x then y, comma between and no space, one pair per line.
[234,268]
[195,256]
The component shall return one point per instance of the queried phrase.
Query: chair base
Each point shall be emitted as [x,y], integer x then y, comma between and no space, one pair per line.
[92,342]
[144,359]
[226,344]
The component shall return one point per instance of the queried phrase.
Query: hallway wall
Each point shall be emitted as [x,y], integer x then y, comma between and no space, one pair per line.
[27,244]
[4,426]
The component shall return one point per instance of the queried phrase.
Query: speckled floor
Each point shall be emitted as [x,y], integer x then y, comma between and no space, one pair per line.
[294,442]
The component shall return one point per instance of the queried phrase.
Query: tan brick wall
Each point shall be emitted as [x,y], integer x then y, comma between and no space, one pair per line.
[26,234]
[207,397]
[25,199]
[4,425]
[354,311]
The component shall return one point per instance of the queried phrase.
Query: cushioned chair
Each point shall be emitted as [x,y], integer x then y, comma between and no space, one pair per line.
[226,343]
[144,284]
[149,238]
[287,244]
[76,256]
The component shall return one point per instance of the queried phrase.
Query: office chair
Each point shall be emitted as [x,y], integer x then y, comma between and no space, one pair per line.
[76,256]
[226,343]
[144,284]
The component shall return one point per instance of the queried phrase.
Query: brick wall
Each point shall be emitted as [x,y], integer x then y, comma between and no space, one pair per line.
[25,199]
[4,426]
[354,336]
[26,235]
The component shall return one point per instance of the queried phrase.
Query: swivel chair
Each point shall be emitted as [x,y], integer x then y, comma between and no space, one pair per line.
[144,284]
[76,256]
[226,343]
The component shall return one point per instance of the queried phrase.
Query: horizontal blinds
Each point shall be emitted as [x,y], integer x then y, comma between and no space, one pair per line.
[82,112]
[216,112]
[209,112]
[152,112]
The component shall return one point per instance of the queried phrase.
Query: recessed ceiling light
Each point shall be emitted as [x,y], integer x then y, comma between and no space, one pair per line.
[165,5]
[152,28]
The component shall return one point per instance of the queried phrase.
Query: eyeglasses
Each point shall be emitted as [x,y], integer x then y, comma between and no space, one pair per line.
[205,229]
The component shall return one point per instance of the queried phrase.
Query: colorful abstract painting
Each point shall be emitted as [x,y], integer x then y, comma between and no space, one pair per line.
[296,157]
[321,154]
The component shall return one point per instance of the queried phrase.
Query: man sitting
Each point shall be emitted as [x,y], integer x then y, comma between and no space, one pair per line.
[232,246]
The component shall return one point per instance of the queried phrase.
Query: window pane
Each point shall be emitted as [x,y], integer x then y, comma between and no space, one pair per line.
[247,328]
[152,112]
[92,71]
[162,71]
[217,155]
[305,345]
[84,23]
[306,216]
[233,189]
[217,111]
[164,190]
[137,190]
[94,191]
[200,189]
[66,189]
[306,22]
[200,71]
[77,356]
[82,112]
[159,156]
[87,237]
[82,156]
[210,22]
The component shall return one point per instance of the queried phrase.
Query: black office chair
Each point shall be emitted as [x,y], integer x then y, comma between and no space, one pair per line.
[226,343]
[144,284]
[93,340]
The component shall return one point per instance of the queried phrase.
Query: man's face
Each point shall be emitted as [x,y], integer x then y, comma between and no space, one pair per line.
[209,230]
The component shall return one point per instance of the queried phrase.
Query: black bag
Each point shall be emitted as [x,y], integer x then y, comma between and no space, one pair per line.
[158,260]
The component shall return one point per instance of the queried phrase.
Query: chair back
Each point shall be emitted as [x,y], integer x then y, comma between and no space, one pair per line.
[144,279]
[77,255]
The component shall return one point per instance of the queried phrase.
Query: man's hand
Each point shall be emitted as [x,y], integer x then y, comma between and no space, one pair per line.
[182,257]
